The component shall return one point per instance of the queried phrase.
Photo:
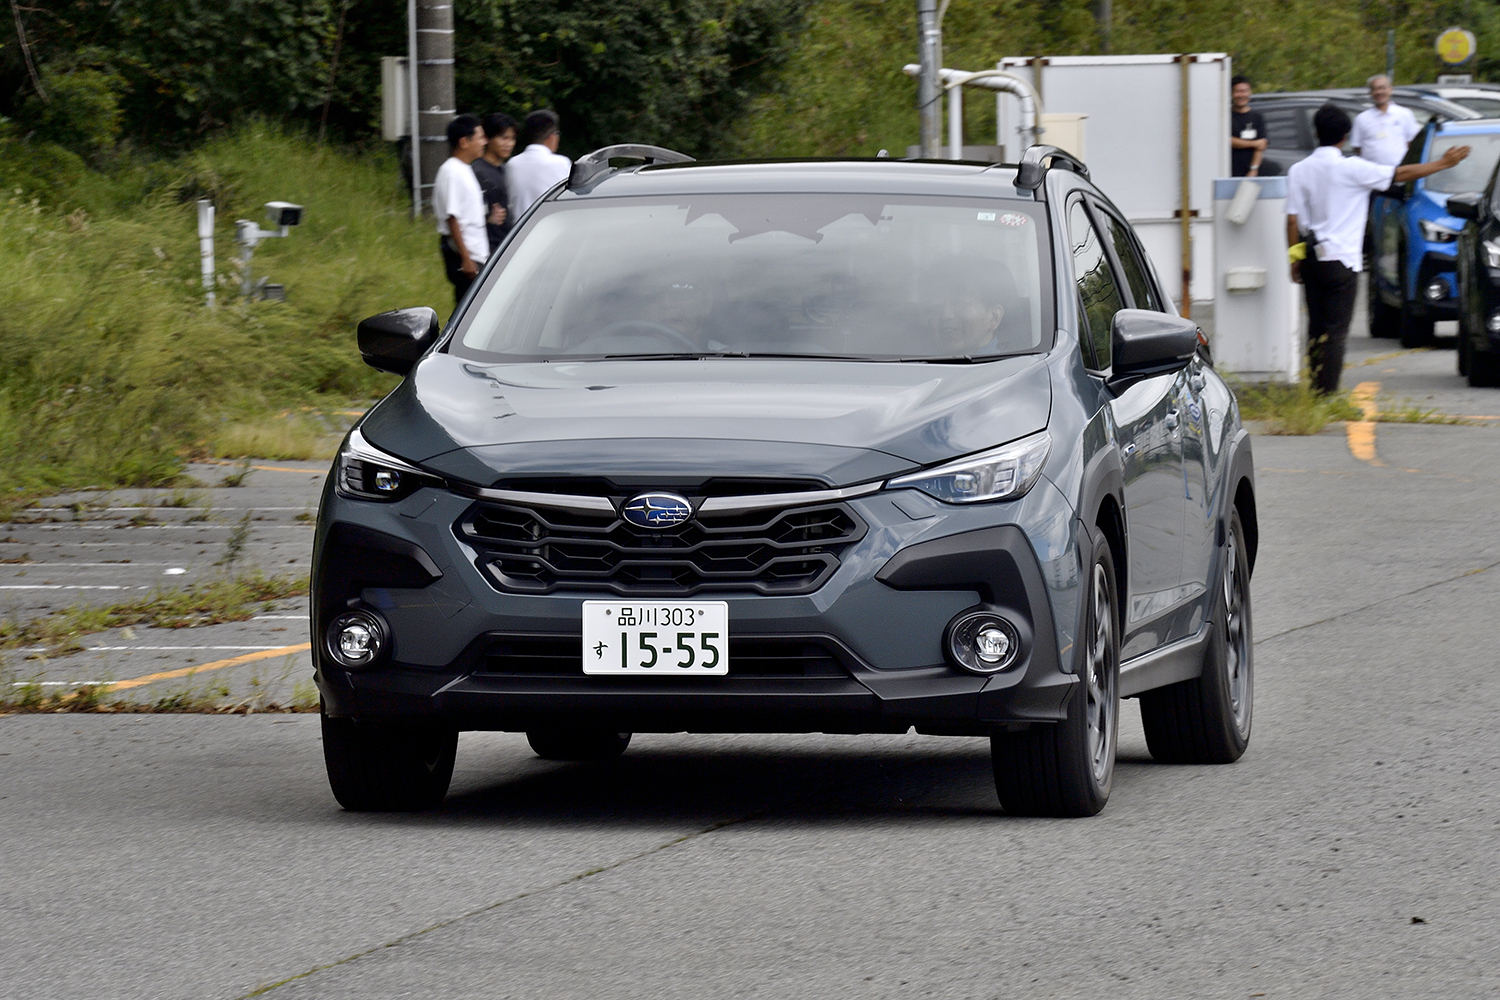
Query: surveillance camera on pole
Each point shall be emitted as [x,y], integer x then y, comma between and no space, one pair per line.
[281,214]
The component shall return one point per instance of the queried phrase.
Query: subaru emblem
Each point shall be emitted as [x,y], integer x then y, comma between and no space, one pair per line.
[657,510]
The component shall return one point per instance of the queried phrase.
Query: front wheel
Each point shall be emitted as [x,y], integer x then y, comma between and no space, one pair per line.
[1416,330]
[1206,720]
[1067,768]
[1385,321]
[398,766]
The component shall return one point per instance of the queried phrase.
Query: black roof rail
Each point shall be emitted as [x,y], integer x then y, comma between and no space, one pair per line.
[1031,172]
[591,165]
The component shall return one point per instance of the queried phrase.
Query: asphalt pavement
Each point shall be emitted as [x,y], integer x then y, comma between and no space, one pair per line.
[1348,854]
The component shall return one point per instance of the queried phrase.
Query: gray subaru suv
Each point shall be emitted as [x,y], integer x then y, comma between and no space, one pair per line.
[845,446]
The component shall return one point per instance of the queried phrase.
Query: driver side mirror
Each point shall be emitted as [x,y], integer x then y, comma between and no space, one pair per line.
[393,341]
[1468,205]
[1147,343]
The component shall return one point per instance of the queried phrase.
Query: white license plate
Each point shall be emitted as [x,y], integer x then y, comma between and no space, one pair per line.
[656,638]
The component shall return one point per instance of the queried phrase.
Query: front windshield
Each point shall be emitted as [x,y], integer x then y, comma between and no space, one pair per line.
[826,275]
[1471,175]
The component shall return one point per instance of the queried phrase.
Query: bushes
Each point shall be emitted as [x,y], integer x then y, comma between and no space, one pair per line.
[112,371]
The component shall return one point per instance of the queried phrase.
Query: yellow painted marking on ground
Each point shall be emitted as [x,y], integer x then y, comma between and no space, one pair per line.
[264,468]
[1361,433]
[167,675]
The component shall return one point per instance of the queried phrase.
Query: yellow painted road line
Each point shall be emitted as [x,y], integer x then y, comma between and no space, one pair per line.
[167,675]
[1361,433]
[265,468]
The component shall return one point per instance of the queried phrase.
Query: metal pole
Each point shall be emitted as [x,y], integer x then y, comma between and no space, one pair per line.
[928,92]
[435,79]
[1390,56]
[206,248]
[412,105]
[955,121]
[1186,191]
[1104,14]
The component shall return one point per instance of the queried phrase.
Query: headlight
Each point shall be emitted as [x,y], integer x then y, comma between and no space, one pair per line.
[368,473]
[1434,233]
[1492,253]
[1002,473]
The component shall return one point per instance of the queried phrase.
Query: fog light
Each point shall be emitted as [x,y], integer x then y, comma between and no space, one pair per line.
[1436,291]
[357,639]
[982,642]
[387,480]
[1493,323]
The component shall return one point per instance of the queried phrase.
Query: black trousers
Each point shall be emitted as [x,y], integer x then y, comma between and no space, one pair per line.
[1330,287]
[453,264]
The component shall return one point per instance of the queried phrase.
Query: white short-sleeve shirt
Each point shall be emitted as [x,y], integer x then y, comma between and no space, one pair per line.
[1329,193]
[456,192]
[531,173]
[1382,136]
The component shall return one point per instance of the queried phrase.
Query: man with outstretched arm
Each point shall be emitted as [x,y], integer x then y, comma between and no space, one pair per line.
[1328,201]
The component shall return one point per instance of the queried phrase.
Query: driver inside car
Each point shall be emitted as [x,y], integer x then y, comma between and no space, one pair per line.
[970,318]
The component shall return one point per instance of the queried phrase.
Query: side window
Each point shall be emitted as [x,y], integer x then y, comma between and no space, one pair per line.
[1134,270]
[1098,291]
[1283,128]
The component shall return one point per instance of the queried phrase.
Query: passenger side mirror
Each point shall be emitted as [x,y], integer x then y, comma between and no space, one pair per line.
[1467,205]
[1147,343]
[393,341]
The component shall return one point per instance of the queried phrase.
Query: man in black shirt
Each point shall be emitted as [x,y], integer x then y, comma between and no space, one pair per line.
[1247,133]
[489,169]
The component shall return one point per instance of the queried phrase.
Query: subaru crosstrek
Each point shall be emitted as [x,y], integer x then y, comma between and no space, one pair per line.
[852,446]
[1413,279]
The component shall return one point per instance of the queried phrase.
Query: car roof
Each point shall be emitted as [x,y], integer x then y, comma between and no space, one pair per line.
[1472,126]
[812,176]
[1359,97]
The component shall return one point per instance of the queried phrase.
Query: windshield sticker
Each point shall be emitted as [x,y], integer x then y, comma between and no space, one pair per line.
[986,216]
[1014,219]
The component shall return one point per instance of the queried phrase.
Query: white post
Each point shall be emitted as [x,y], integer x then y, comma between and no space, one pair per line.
[955,121]
[206,248]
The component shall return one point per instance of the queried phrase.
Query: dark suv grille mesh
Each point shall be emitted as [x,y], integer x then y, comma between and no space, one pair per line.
[562,656]
[537,550]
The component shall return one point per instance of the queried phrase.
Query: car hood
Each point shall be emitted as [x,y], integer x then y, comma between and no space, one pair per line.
[837,422]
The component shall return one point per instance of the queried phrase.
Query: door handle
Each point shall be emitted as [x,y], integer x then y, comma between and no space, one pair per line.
[1171,420]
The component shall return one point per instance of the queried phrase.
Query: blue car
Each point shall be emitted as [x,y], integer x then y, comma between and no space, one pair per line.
[1413,283]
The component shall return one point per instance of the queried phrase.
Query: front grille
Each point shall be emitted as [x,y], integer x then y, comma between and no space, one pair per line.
[562,656]
[534,550]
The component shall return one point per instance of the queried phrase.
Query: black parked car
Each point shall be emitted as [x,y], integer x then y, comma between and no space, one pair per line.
[1479,284]
[844,446]
[1289,116]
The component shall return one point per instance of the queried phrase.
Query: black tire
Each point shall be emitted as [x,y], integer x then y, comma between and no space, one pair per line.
[1207,720]
[1067,768]
[576,744]
[1416,331]
[388,766]
[1463,346]
[1385,321]
[1483,369]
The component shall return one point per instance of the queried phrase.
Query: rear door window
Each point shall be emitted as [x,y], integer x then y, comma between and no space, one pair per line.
[1132,263]
[1284,127]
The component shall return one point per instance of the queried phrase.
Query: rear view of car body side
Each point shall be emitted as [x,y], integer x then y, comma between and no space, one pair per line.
[848,447]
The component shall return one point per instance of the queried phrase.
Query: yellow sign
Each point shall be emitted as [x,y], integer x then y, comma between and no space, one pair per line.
[1455,46]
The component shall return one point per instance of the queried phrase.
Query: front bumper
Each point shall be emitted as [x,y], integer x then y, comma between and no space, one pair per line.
[1436,267]
[863,653]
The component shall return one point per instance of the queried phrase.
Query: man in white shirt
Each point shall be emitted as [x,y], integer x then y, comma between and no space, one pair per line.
[1382,133]
[533,171]
[458,206]
[1327,203]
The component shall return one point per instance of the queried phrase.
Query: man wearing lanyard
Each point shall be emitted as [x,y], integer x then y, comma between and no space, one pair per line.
[1247,133]
[1382,133]
[1327,204]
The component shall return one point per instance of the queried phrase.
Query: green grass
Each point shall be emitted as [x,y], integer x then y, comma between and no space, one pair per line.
[113,372]
[228,599]
[1293,409]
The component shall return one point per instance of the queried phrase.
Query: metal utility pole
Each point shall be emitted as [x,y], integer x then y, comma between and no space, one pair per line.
[434,45]
[1104,14]
[928,90]
[1390,56]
